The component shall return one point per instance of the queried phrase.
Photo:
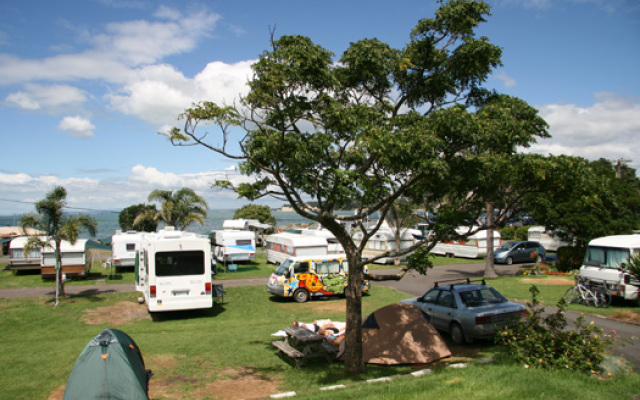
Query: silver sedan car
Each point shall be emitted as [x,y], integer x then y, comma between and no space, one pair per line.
[467,311]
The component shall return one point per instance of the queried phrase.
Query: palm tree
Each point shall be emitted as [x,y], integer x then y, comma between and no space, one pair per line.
[179,209]
[57,226]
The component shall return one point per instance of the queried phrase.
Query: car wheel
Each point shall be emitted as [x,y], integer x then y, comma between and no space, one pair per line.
[301,296]
[509,261]
[457,335]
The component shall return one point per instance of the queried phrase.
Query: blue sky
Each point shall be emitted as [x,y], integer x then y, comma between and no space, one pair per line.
[86,85]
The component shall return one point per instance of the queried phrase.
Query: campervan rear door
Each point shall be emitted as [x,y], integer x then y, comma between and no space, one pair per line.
[181,276]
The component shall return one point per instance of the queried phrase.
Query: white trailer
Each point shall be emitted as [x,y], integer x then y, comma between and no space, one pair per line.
[74,258]
[548,240]
[173,270]
[18,259]
[124,246]
[474,246]
[606,261]
[384,240]
[281,246]
[231,246]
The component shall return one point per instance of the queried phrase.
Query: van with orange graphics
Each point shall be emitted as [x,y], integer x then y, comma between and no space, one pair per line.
[311,276]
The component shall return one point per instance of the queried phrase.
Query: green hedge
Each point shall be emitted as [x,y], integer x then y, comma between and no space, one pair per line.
[570,258]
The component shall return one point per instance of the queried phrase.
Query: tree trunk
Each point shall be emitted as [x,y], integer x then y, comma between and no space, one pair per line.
[489,268]
[58,272]
[353,362]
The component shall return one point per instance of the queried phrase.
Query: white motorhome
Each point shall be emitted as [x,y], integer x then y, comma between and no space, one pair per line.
[124,246]
[606,262]
[74,258]
[18,259]
[231,246]
[474,246]
[548,240]
[384,240]
[173,270]
[281,246]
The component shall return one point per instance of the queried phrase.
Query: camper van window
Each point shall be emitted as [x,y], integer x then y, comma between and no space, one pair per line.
[301,268]
[178,263]
[243,242]
[606,257]
[328,267]
[283,268]
[131,247]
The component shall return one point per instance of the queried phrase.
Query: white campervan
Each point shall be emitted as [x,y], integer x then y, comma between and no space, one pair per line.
[231,246]
[124,246]
[281,246]
[173,270]
[606,262]
[474,246]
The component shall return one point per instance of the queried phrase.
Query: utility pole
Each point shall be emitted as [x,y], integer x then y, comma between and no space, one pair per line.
[618,167]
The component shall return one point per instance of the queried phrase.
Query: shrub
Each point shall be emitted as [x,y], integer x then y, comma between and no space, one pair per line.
[569,258]
[545,343]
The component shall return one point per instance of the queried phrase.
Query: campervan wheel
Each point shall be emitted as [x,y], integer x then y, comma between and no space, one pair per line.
[301,296]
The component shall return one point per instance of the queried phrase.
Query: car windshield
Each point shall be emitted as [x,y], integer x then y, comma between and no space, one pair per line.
[508,246]
[283,268]
[481,297]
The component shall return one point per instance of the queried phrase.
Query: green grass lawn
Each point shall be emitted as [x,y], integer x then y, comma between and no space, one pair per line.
[215,353]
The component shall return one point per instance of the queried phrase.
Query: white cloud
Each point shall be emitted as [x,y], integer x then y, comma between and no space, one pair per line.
[610,128]
[22,100]
[507,81]
[122,46]
[161,93]
[77,127]
[48,98]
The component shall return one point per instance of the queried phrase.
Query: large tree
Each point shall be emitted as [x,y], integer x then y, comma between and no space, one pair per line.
[179,208]
[139,217]
[587,199]
[57,226]
[378,125]
[256,211]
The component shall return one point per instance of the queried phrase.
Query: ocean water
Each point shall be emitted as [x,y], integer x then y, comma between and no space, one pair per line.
[108,222]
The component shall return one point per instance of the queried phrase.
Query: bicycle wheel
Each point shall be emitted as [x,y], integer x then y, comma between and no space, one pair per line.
[603,297]
[572,295]
[589,298]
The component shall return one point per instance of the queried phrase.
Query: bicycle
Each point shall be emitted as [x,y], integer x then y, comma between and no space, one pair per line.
[585,293]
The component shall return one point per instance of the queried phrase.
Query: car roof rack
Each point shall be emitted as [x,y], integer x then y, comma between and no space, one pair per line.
[467,281]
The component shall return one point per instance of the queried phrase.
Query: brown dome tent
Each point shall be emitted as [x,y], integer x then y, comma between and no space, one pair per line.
[401,334]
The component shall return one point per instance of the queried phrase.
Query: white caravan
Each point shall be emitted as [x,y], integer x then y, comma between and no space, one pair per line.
[20,260]
[606,262]
[384,240]
[124,246]
[231,246]
[474,246]
[281,246]
[173,270]
[74,257]
[549,241]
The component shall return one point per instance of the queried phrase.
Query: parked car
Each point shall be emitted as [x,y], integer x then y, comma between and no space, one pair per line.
[467,311]
[519,251]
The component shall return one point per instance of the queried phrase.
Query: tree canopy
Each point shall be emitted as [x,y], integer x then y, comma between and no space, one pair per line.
[256,211]
[178,209]
[373,127]
[128,218]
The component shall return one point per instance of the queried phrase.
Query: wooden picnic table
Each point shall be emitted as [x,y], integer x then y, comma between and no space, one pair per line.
[302,344]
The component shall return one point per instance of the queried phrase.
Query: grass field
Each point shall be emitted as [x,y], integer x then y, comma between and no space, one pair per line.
[226,352]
